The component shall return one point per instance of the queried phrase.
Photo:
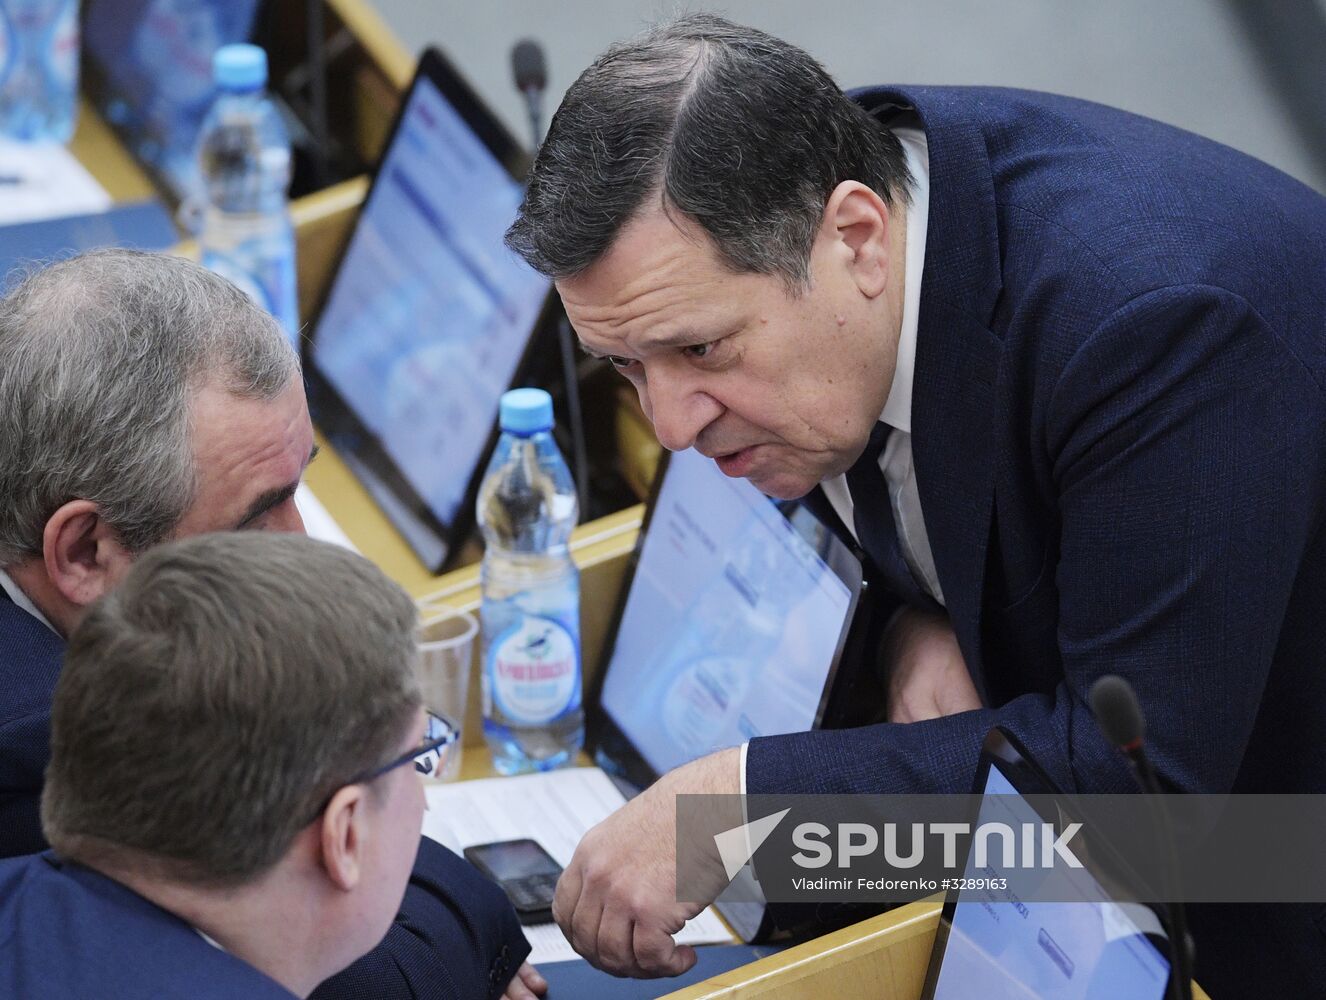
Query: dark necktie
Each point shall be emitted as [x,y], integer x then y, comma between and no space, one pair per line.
[872,514]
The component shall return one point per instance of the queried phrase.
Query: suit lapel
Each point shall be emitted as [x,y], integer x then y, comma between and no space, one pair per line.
[957,357]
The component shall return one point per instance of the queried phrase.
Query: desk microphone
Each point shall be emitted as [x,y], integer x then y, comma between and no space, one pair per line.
[1120,718]
[530,70]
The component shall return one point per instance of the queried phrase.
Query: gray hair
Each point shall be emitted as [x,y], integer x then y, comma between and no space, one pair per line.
[743,133]
[100,357]
[212,704]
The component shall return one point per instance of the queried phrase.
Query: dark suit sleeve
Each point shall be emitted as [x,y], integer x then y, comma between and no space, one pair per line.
[24,753]
[456,938]
[1183,443]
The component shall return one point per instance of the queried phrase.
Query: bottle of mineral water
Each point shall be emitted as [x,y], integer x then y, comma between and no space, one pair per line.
[244,159]
[38,69]
[532,714]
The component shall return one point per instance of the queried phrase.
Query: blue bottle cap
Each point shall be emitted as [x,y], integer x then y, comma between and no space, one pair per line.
[239,67]
[526,411]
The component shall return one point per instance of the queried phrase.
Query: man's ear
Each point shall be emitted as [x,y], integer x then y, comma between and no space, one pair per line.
[83,554]
[343,836]
[857,220]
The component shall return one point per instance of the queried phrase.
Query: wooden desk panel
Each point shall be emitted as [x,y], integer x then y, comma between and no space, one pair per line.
[99,150]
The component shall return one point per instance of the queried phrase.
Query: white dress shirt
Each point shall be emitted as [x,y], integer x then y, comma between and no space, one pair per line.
[896,460]
[22,600]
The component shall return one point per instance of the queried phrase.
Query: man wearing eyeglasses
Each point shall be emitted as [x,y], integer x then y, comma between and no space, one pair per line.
[233,803]
[143,398]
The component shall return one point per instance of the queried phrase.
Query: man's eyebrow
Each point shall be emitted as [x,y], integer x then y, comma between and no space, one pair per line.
[274,497]
[681,338]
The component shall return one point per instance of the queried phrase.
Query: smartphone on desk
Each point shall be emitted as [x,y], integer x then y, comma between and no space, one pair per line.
[525,871]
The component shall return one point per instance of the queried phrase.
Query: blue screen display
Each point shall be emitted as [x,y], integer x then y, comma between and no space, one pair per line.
[731,624]
[156,56]
[1003,947]
[430,312]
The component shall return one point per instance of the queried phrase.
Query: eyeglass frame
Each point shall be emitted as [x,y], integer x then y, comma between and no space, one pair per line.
[425,748]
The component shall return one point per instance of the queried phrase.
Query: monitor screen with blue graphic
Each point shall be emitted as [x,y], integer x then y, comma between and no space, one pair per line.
[732,624]
[1004,945]
[429,314]
[153,60]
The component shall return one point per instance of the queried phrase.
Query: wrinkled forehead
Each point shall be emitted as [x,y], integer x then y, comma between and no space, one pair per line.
[657,274]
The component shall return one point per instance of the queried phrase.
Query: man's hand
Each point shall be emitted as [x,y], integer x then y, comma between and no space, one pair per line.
[527,984]
[617,900]
[927,675]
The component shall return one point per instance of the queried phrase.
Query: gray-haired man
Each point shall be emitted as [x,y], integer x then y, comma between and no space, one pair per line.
[142,398]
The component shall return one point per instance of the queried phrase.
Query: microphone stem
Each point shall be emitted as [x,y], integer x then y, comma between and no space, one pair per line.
[532,102]
[1181,981]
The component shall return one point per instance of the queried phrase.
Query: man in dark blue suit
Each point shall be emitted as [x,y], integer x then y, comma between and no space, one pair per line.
[1058,368]
[234,793]
[143,398]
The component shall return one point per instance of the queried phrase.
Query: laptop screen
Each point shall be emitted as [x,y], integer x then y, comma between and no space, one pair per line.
[154,62]
[732,624]
[429,313]
[1002,947]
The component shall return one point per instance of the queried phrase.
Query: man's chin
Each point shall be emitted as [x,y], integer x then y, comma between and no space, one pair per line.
[752,464]
[782,486]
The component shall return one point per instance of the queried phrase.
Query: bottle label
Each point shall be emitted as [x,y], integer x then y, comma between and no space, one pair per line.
[534,668]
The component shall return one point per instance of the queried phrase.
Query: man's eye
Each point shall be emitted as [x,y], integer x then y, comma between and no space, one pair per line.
[698,350]
[617,361]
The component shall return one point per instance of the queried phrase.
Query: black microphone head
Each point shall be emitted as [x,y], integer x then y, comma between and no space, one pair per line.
[1117,712]
[528,65]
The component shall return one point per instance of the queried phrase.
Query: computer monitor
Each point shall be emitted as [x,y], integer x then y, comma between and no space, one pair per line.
[429,316]
[150,74]
[735,616]
[1002,944]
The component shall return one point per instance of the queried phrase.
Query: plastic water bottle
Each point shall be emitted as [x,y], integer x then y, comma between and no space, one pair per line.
[244,159]
[38,69]
[532,714]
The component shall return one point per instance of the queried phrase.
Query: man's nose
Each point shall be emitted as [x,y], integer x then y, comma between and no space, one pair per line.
[678,407]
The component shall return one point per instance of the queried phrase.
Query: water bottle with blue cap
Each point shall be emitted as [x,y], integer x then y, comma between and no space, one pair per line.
[533,719]
[244,160]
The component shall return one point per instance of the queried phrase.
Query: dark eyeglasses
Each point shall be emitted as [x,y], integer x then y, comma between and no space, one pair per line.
[428,758]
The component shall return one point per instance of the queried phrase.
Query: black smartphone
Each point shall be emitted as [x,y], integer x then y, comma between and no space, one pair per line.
[525,871]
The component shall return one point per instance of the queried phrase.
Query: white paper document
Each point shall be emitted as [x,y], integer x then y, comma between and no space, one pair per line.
[556,809]
[45,181]
[318,522]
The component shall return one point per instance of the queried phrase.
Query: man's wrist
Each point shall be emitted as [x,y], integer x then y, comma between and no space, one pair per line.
[718,773]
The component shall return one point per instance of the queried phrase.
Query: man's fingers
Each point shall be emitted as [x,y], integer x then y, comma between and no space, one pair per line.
[656,954]
[583,929]
[566,895]
[614,950]
[517,990]
[527,984]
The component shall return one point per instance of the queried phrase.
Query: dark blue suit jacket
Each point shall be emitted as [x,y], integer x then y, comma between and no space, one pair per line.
[1119,437]
[67,932]
[456,935]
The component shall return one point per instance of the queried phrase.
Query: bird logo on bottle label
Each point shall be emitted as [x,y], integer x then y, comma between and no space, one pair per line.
[534,668]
